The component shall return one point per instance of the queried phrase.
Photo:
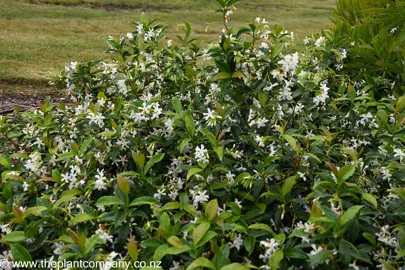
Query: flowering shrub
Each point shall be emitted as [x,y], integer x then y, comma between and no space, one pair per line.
[243,155]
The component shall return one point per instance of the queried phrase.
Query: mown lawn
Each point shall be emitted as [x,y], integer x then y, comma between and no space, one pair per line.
[39,37]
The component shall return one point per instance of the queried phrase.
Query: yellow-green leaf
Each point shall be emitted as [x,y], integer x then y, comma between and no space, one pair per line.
[211,209]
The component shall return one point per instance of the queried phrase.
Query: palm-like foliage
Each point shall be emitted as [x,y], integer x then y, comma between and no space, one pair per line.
[374,32]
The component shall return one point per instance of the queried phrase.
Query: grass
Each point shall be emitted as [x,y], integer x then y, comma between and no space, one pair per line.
[39,37]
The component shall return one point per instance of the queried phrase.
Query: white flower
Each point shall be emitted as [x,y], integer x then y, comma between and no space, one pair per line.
[355,267]
[393,30]
[211,117]
[130,36]
[175,266]
[57,248]
[160,192]
[34,164]
[385,237]
[315,250]
[260,140]
[321,98]
[140,28]
[302,175]
[309,227]
[321,41]
[230,177]
[104,236]
[386,174]
[200,197]
[399,153]
[25,186]
[100,183]
[96,118]
[228,15]
[289,63]
[201,154]
[237,242]
[271,246]
[238,203]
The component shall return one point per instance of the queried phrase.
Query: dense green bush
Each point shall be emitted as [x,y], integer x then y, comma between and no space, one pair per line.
[243,155]
[372,33]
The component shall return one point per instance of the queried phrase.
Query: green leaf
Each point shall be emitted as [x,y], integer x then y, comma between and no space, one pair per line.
[82,217]
[91,243]
[85,145]
[192,172]
[5,162]
[123,184]
[320,257]
[207,237]
[345,173]
[222,76]
[235,266]
[199,232]
[243,177]
[36,211]
[133,249]
[276,258]
[370,198]
[155,159]
[261,226]
[288,184]
[296,253]
[176,242]
[190,124]
[144,200]
[351,93]
[164,222]
[388,266]
[350,214]
[250,242]
[183,144]
[109,200]
[291,141]
[139,158]
[56,176]
[370,237]
[160,252]
[208,134]
[65,197]
[400,106]
[143,18]
[171,206]
[220,152]
[177,105]
[20,253]
[211,209]
[237,74]
[16,236]
[191,210]
[201,262]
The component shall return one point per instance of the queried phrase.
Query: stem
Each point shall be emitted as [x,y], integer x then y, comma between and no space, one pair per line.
[223,16]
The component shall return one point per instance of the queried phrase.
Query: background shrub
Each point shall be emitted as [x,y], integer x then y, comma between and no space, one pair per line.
[242,155]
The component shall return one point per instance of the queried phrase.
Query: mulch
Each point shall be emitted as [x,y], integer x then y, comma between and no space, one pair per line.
[26,98]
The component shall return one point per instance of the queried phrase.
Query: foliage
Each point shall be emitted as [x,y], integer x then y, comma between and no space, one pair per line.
[244,155]
[372,33]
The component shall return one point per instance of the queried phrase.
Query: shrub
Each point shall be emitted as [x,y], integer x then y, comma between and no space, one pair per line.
[371,33]
[242,155]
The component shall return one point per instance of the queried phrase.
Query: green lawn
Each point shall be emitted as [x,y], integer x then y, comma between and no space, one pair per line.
[39,37]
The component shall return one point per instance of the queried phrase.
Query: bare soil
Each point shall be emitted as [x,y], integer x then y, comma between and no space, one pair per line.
[25,97]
